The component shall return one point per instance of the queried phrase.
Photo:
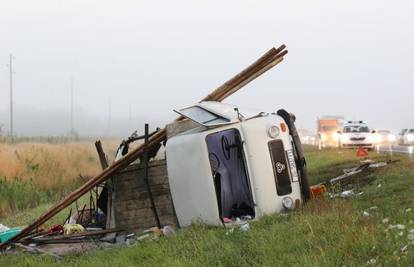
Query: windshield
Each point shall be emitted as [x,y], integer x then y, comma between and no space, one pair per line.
[403,131]
[202,116]
[411,130]
[356,129]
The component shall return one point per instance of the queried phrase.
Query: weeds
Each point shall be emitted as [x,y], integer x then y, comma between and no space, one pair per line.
[36,173]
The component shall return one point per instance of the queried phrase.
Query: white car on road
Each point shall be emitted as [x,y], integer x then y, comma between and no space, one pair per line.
[406,137]
[357,134]
[384,137]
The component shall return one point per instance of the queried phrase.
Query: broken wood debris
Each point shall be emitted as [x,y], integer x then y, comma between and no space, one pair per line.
[38,250]
[267,61]
[358,169]
[72,237]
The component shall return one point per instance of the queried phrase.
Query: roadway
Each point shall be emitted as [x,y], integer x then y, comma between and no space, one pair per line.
[409,150]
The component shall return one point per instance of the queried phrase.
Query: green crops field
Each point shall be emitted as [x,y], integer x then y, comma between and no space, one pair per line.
[326,232]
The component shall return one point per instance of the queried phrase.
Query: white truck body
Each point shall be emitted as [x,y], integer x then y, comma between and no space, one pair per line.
[192,177]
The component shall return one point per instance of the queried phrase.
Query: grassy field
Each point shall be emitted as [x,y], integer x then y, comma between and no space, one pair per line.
[325,232]
[37,173]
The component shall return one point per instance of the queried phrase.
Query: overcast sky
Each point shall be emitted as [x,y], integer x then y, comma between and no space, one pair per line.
[145,58]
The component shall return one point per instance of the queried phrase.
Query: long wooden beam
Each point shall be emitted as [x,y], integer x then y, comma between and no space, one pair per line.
[264,63]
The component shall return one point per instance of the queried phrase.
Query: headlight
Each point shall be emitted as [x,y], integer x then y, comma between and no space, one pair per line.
[391,138]
[344,138]
[273,132]
[323,137]
[336,136]
[374,138]
[410,137]
[287,203]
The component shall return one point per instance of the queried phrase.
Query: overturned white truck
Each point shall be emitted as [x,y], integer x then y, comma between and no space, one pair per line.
[222,163]
[235,164]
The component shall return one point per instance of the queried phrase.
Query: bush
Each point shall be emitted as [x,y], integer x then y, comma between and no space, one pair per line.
[17,195]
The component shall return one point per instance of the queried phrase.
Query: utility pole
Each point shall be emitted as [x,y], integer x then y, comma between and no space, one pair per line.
[129,116]
[11,97]
[109,118]
[72,128]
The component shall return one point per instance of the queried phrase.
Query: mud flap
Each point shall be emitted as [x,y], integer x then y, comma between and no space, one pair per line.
[299,155]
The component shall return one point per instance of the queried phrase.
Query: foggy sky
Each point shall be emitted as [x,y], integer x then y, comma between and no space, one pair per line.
[146,58]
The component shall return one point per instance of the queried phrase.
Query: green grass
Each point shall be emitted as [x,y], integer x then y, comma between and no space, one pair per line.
[17,196]
[326,232]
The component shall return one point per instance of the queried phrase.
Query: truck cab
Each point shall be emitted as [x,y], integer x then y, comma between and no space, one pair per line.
[235,164]
[328,128]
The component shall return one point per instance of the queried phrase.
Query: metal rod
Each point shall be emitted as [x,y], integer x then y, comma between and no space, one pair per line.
[146,159]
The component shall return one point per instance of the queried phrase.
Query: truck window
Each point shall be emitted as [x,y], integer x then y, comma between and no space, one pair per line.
[227,161]
[202,116]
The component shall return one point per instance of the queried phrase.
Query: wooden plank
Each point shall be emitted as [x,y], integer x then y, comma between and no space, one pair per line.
[101,155]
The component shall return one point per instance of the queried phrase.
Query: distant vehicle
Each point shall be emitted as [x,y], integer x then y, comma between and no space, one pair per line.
[406,137]
[328,128]
[384,137]
[357,134]
[307,137]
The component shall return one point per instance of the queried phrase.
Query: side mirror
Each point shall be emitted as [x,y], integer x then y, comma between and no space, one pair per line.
[373,131]
[339,132]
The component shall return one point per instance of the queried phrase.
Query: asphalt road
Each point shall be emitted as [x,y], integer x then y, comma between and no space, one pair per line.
[409,150]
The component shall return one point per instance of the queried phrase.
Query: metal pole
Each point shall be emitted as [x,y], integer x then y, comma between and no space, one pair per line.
[146,159]
[11,97]
[72,130]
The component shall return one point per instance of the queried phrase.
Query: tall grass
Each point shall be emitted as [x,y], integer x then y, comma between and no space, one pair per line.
[33,173]
[16,195]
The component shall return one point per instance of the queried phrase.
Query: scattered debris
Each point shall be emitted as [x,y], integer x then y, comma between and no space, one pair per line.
[365,214]
[8,234]
[397,226]
[70,238]
[3,228]
[168,230]
[371,262]
[38,250]
[348,181]
[318,190]
[230,231]
[347,194]
[378,165]
[385,221]
[245,227]
[73,229]
[408,210]
[410,235]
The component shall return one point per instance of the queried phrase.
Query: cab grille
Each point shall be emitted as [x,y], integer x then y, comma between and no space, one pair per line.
[280,167]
